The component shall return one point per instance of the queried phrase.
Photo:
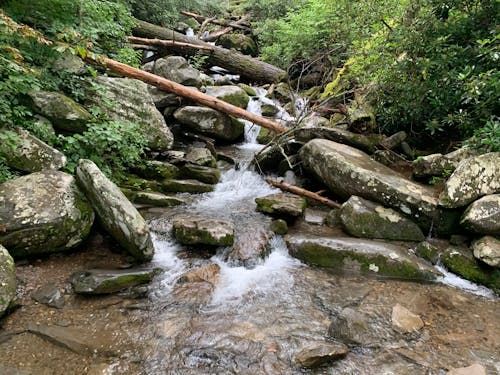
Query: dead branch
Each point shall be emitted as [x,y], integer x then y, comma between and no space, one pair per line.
[303,192]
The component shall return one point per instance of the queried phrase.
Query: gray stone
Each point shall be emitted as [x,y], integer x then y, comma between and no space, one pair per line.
[231,94]
[197,230]
[177,69]
[279,226]
[439,164]
[210,122]
[281,204]
[404,321]
[29,154]
[132,102]
[333,218]
[186,186]
[251,245]
[473,178]
[163,99]
[98,281]
[394,140]
[43,212]
[49,295]
[157,170]
[353,327]
[487,249]
[282,92]
[69,63]
[347,171]
[201,156]
[64,113]
[363,218]
[348,254]
[204,174]
[153,198]
[7,280]
[118,216]
[483,215]
[320,353]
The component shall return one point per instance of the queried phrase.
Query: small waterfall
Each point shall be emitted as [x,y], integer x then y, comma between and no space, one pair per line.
[189,32]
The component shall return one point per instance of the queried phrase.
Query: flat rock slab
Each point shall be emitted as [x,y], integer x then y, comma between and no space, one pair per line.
[118,216]
[7,280]
[281,204]
[153,198]
[98,281]
[438,164]
[320,353]
[186,186]
[348,171]
[404,321]
[363,218]
[473,178]
[483,215]
[357,255]
[196,230]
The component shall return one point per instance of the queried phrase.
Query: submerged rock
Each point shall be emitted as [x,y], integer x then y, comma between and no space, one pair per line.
[487,249]
[320,353]
[281,204]
[7,280]
[483,215]
[64,113]
[197,230]
[356,255]
[404,321]
[177,69]
[208,273]
[29,154]
[439,164]
[157,170]
[347,171]
[231,94]
[98,281]
[210,122]
[363,218]
[118,216]
[43,212]
[473,178]
[354,328]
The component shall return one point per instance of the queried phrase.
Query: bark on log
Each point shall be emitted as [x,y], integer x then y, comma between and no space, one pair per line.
[303,192]
[200,18]
[249,68]
[186,92]
[168,43]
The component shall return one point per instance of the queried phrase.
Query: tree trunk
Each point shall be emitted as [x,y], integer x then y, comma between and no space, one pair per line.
[186,92]
[249,68]
[303,192]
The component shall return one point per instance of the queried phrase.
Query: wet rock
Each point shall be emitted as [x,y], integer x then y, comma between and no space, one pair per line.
[475,369]
[134,182]
[394,140]
[483,215]
[29,154]
[208,273]
[163,99]
[473,178]
[7,280]
[210,122]
[248,89]
[279,226]
[462,262]
[118,216]
[64,113]
[250,245]
[186,186]
[193,293]
[133,103]
[204,174]
[230,94]
[152,198]
[320,353]
[353,327]
[315,216]
[439,164]
[281,204]
[265,136]
[157,170]
[201,156]
[404,321]
[357,255]
[487,249]
[332,219]
[281,92]
[98,281]
[428,252]
[177,69]
[240,42]
[196,230]
[347,171]
[269,110]
[69,63]
[363,218]
[43,212]
[49,295]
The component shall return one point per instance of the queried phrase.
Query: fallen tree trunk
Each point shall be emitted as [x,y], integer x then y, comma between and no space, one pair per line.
[200,18]
[186,92]
[303,192]
[168,43]
[249,68]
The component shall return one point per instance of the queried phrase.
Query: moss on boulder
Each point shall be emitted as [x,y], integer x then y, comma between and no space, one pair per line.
[197,230]
[230,94]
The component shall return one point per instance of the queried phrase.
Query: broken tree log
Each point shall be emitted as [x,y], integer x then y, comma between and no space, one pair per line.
[303,192]
[249,68]
[186,92]
[200,18]
[167,43]
[216,34]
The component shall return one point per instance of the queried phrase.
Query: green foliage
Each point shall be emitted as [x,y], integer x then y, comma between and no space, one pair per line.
[262,10]
[487,138]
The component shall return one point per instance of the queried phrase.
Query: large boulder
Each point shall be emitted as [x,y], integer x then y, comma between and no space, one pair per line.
[487,249]
[177,69]
[29,154]
[357,255]
[197,230]
[132,102]
[439,164]
[483,215]
[210,122]
[363,142]
[231,94]
[473,178]
[7,280]
[118,216]
[363,218]
[240,42]
[348,171]
[43,212]
[281,204]
[64,113]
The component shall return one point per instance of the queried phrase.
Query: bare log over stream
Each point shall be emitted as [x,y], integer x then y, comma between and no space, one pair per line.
[186,92]
[247,67]
[303,192]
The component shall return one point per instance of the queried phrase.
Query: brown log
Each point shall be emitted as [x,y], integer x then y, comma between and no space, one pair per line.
[303,192]
[168,43]
[200,18]
[249,68]
[186,92]
[214,35]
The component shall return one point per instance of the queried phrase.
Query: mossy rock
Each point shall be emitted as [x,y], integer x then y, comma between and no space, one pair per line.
[7,280]
[203,231]
[282,204]
[234,95]
[186,186]
[157,170]
[204,174]
[240,42]
[248,89]
[279,226]
[269,110]
[133,182]
[152,198]
[265,136]
[428,251]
